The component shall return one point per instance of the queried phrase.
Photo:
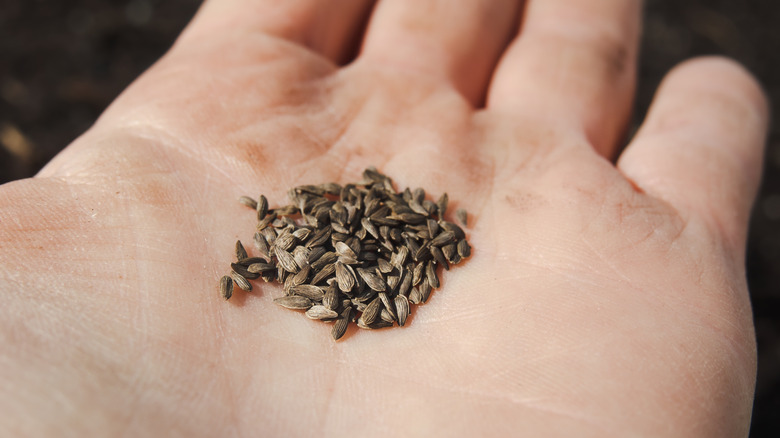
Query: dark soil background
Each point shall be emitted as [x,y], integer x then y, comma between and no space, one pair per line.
[62,63]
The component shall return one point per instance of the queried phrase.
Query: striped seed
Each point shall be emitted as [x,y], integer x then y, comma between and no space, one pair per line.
[373,280]
[240,251]
[340,327]
[226,287]
[371,312]
[345,277]
[464,250]
[402,309]
[286,260]
[309,291]
[430,275]
[321,312]
[294,302]
[240,281]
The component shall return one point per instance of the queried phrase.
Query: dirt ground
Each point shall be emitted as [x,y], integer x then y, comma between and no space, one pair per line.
[63,62]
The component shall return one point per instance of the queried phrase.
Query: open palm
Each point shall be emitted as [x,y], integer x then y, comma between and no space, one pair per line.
[600,299]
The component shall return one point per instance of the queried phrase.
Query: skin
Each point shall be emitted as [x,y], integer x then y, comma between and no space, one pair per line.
[606,294]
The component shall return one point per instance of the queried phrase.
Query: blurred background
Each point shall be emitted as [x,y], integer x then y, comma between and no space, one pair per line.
[62,63]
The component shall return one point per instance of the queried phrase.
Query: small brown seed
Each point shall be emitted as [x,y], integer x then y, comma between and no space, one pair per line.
[414,296]
[294,302]
[240,251]
[309,291]
[286,260]
[417,274]
[302,276]
[260,267]
[425,291]
[444,238]
[240,281]
[321,312]
[262,207]
[373,280]
[340,327]
[402,308]
[438,255]
[243,271]
[324,273]
[464,250]
[384,266]
[387,303]
[331,298]
[430,275]
[441,205]
[226,287]
[266,221]
[371,312]
[345,277]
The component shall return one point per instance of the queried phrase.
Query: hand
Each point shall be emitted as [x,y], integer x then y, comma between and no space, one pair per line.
[601,298]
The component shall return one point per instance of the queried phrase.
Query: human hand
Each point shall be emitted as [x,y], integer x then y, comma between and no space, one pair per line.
[601,299]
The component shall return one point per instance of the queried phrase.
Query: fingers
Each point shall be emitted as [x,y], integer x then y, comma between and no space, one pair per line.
[457,42]
[329,28]
[701,145]
[574,62]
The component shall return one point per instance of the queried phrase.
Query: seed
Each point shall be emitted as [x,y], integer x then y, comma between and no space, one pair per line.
[331,298]
[438,255]
[444,238]
[324,273]
[321,312]
[240,281]
[414,296]
[340,327]
[260,267]
[387,303]
[262,207]
[402,308]
[286,260]
[406,282]
[464,250]
[450,251]
[345,277]
[249,202]
[384,266]
[425,291]
[240,251]
[371,313]
[294,302]
[373,281]
[462,216]
[267,220]
[226,287]
[285,241]
[301,276]
[441,205]
[430,275]
[243,271]
[309,291]
[417,274]
[386,316]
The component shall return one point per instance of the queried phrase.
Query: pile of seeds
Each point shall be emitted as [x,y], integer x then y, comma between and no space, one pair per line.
[359,248]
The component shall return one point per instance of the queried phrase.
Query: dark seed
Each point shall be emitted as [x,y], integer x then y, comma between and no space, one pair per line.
[309,291]
[226,287]
[294,302]
[402,308]
[240,281]
[240,251]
